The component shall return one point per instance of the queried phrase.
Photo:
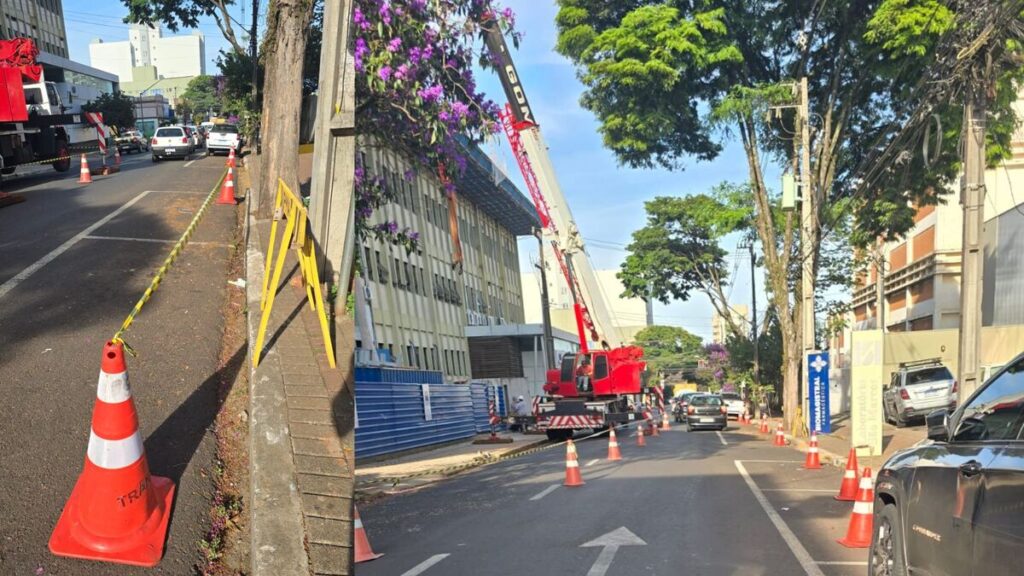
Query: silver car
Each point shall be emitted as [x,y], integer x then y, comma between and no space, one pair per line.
[917,389]
[734,404]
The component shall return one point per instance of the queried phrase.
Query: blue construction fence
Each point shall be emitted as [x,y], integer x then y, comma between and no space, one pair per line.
[400,409]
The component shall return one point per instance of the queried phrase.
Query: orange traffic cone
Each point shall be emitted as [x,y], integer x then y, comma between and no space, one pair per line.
[640,440]
[654,429]
[117,512]
[231,158]
[117,156]
[363,551]
[664,421]
[813,460]
[84,175]
[227,189]
[613,446]
[764,425]
[858,534]
[572,466]
[848,489]
[780,436]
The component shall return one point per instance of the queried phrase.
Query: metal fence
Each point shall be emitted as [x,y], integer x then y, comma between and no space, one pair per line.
[399,409]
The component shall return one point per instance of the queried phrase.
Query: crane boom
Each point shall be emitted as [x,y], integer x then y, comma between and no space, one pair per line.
[559,226]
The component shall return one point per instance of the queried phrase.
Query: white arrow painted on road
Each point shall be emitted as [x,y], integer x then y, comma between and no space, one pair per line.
[610,544]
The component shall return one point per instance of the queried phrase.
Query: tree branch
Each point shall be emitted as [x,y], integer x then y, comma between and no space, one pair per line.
[223,20]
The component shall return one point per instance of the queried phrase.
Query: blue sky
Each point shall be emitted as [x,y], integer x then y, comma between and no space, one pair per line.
[89,19]
[606,199]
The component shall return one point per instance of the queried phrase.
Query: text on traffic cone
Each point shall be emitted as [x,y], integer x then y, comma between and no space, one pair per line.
[117,511]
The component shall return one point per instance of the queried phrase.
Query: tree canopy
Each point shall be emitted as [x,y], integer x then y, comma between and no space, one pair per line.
[669,348]
[118,109]
[202,95]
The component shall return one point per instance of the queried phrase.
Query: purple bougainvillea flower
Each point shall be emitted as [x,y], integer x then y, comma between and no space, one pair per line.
[394,44]
[385,73]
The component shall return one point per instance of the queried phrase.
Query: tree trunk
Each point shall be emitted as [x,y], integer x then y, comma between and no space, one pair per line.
[792,353]
[284,51]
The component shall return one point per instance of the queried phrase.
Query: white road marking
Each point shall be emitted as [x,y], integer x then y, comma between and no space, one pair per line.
[722,438]
[425,565]
[798,550]
[610,544]
[545,492]
[796,489]
[592,462]
[190,162]
[775,461]
[35,266]
[842,563]
[154,240]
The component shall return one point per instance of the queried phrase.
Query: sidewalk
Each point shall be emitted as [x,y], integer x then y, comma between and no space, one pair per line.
[301,478]
[426,467]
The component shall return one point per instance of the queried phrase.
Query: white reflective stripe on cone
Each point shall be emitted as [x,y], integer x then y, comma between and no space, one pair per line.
[849,474]
[114,454]
[866,483]
[862,508]
[357,524]
[572,464]
[113,388]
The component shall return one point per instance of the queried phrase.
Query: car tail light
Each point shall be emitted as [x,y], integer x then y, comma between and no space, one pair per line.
[955,388]
[689,410]
[724,410]
[184,140]
[904,394]
[153,141]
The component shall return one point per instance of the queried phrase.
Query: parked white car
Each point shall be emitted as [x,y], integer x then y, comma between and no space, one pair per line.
[734,404]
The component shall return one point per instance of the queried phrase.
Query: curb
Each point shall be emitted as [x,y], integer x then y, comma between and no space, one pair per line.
[277,534]
[431,476]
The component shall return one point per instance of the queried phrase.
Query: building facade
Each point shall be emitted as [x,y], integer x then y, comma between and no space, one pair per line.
[720,328]
[419,302]
[40,20]
[170,56]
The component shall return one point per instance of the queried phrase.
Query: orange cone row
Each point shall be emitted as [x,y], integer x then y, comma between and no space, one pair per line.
[764,425]
[613,446]
[227,189]
[848,488]
[813,460]
[780,436]
[573,477]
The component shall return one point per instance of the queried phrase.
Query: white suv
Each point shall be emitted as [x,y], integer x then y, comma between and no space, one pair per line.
[917,389]
[222,138]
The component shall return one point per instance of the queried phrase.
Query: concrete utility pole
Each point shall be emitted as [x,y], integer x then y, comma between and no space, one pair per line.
[331,206]
[972,254]
[753,316]
[808,221]
[545,303]
[649,305]
[253,54]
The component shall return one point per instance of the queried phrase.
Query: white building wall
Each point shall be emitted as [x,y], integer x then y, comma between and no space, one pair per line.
[113,57]
[178,56]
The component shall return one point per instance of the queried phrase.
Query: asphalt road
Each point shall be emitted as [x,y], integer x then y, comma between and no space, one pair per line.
[74,259]
[687,503]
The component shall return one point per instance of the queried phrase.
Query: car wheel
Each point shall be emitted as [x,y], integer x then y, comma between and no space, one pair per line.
[688,427]
[886,558]
[155,159]
[900,421]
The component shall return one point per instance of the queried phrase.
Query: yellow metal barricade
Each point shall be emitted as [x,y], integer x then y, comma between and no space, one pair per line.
[289,207]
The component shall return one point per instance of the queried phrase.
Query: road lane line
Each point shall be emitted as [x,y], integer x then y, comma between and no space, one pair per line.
[35,266]
[722,438]
[594,461]
[798,550]
[154,240]
[842,563]
[425,565]
[773,461]
[189,163]
[545,492]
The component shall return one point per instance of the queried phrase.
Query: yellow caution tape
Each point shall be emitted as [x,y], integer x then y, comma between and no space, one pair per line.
[162,271]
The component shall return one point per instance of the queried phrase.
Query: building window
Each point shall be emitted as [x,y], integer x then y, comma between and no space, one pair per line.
[367,268]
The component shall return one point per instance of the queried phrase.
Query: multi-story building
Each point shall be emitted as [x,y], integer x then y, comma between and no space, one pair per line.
[720,328]
[628,315]
[171,56]
[421,304]
[40,20]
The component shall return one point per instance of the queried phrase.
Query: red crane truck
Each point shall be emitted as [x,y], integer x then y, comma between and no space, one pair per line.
[592,388]
[33,126]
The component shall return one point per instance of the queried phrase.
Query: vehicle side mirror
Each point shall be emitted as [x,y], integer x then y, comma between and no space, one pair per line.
[938,425]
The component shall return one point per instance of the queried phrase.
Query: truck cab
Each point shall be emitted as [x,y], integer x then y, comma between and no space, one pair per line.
[42,98]
[598,373]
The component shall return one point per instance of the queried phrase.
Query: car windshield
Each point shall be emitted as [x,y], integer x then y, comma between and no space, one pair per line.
[705,401]
[936,374]
[224,128]
[729,396]
[169,133]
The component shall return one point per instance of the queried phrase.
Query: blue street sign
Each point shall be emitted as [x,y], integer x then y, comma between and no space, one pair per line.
[817,386]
